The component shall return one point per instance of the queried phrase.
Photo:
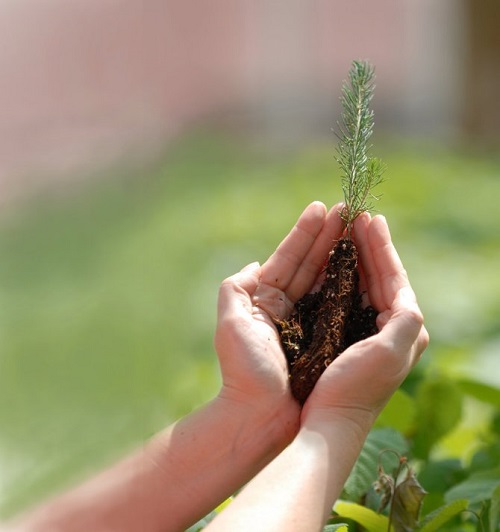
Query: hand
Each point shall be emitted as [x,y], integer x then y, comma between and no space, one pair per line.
[254,368]
[348,396]
[361,380]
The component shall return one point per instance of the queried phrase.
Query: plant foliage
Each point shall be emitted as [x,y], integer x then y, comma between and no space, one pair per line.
[436,493]
[438,518]
[362,475]
[366,517]
[360,172]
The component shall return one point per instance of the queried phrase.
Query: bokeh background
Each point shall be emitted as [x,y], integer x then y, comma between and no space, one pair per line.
[149,149]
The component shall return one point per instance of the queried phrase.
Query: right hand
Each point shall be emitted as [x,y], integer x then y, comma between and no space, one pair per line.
[361,380]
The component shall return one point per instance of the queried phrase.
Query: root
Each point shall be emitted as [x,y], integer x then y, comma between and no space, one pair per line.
[327,322]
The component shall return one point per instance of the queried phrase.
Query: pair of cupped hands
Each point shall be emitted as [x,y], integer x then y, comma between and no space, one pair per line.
[358,384]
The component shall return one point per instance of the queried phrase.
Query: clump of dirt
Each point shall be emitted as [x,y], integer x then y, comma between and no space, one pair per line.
[325,323]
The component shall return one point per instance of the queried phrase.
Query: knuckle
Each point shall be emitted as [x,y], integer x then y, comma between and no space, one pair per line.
[414,316]
[411,318]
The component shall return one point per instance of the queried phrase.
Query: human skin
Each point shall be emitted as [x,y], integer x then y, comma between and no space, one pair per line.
[297,490]
[191,466]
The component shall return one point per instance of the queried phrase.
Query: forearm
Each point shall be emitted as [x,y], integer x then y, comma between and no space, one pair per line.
[302,483]
[175,479]
[219,457]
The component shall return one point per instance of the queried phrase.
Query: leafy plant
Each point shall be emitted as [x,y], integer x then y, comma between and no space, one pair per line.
[446,494]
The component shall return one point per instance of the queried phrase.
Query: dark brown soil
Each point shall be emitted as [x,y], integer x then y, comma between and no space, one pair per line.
[325,323]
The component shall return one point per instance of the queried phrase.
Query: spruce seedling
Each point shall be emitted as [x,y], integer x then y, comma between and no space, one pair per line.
[360,173]
[325,323]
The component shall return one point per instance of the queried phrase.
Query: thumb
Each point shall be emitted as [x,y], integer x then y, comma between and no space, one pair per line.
[238,289]
[250,267]
[248,277]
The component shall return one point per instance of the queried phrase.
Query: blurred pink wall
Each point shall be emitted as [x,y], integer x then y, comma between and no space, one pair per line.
[84,82]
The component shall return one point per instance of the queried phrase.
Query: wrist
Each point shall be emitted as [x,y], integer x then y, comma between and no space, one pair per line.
[210,454]
[266,425]
[353,422]
[334,438]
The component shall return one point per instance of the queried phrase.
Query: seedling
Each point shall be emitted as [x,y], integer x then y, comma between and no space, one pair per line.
[325,323]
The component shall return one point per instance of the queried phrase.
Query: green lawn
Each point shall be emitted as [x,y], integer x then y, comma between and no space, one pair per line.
[108,298]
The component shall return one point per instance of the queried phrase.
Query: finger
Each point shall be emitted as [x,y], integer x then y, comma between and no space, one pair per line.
[404,331]
[370,272]
[236,291]
[420,345]
[360,235]
[283,264]
[387,274]
[314,261]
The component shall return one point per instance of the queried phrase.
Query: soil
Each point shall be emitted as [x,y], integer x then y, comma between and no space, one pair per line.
[325,323]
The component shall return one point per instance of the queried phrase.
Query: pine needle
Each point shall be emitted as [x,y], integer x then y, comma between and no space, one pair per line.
[360,172]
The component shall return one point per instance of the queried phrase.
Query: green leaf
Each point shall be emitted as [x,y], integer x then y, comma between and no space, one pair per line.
[341,527]
[486,458]
[439,409]
[482,392]
[223,505]
[478,487]
[495,510]
[399,413]
[495,422]
[440,476]
[436,519]
[367,518]
[365,470]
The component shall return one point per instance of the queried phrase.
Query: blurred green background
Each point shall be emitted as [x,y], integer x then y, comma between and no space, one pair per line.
[150,149]
[108,297]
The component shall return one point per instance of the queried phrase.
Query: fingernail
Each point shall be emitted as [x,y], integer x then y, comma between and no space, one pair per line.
[251,266]
[406,296]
